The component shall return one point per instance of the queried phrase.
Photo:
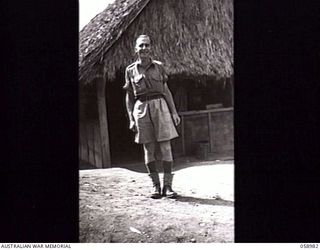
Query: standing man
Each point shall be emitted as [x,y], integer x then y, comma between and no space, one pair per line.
[152,114]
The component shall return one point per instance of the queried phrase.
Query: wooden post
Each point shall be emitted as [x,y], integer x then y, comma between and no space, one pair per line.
[103,122]
[182,136]
[210,132]
[232,91]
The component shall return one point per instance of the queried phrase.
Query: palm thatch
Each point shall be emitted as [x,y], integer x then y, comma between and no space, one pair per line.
[191,37]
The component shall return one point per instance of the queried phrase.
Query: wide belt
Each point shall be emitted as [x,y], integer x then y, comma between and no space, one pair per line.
[144,98]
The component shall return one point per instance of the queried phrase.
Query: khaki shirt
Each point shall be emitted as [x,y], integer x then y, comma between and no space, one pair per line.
[151,82]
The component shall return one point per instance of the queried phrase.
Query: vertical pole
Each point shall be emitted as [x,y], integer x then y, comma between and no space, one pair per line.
[103,122]
[182,136]
[211,139]
[232,91]
[87,141]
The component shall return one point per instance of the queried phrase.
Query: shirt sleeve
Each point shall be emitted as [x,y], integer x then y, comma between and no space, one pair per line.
[127,86]
[164,74]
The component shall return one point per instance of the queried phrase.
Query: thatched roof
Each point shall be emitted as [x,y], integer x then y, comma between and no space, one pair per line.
[191,37]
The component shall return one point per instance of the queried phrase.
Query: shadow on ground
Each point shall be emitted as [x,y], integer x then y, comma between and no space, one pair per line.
[214,202]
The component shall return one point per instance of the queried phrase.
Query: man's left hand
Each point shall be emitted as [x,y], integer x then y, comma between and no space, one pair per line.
[176,119]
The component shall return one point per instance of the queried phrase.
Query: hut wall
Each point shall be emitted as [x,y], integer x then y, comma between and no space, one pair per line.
[90,150]
[214,126]
[90,143]
[222,137]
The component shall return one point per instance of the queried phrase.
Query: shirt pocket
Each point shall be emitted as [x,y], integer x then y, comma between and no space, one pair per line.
[156,77]
[139,83]
[157,82]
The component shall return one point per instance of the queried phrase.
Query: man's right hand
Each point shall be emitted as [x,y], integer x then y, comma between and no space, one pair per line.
[132,126]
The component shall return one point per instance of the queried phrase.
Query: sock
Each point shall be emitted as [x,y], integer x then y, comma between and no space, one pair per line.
[167,166]
[151,167]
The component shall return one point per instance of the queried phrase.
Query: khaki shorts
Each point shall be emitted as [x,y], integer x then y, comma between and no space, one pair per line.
[153,121]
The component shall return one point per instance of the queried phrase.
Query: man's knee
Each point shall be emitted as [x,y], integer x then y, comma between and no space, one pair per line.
[149,150]
[165,145]
[166,151]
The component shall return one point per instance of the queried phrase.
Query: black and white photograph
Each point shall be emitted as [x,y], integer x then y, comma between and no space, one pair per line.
[160,121]
[156,140]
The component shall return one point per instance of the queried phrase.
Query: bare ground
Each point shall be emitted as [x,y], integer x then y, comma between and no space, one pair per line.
[115,207]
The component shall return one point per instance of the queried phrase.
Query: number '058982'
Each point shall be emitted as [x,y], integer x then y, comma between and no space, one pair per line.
[308,245]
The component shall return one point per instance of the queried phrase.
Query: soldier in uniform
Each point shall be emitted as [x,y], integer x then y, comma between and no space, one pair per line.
[152,114]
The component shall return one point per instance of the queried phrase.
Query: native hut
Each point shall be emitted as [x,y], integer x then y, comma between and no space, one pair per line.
[194,40]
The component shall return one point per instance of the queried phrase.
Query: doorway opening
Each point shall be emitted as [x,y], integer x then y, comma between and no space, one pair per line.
[123,149]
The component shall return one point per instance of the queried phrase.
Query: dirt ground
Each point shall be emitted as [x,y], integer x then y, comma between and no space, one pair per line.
[115,207]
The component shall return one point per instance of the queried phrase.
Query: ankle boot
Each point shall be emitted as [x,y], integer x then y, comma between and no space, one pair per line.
[167,186]
[156,185]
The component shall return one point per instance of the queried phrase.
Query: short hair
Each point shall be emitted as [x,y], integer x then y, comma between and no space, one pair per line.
[143,36]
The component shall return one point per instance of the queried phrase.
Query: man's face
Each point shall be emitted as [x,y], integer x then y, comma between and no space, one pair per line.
[143,47]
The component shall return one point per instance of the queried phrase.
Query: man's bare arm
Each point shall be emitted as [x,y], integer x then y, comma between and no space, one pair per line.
[129,105]
[169,99]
